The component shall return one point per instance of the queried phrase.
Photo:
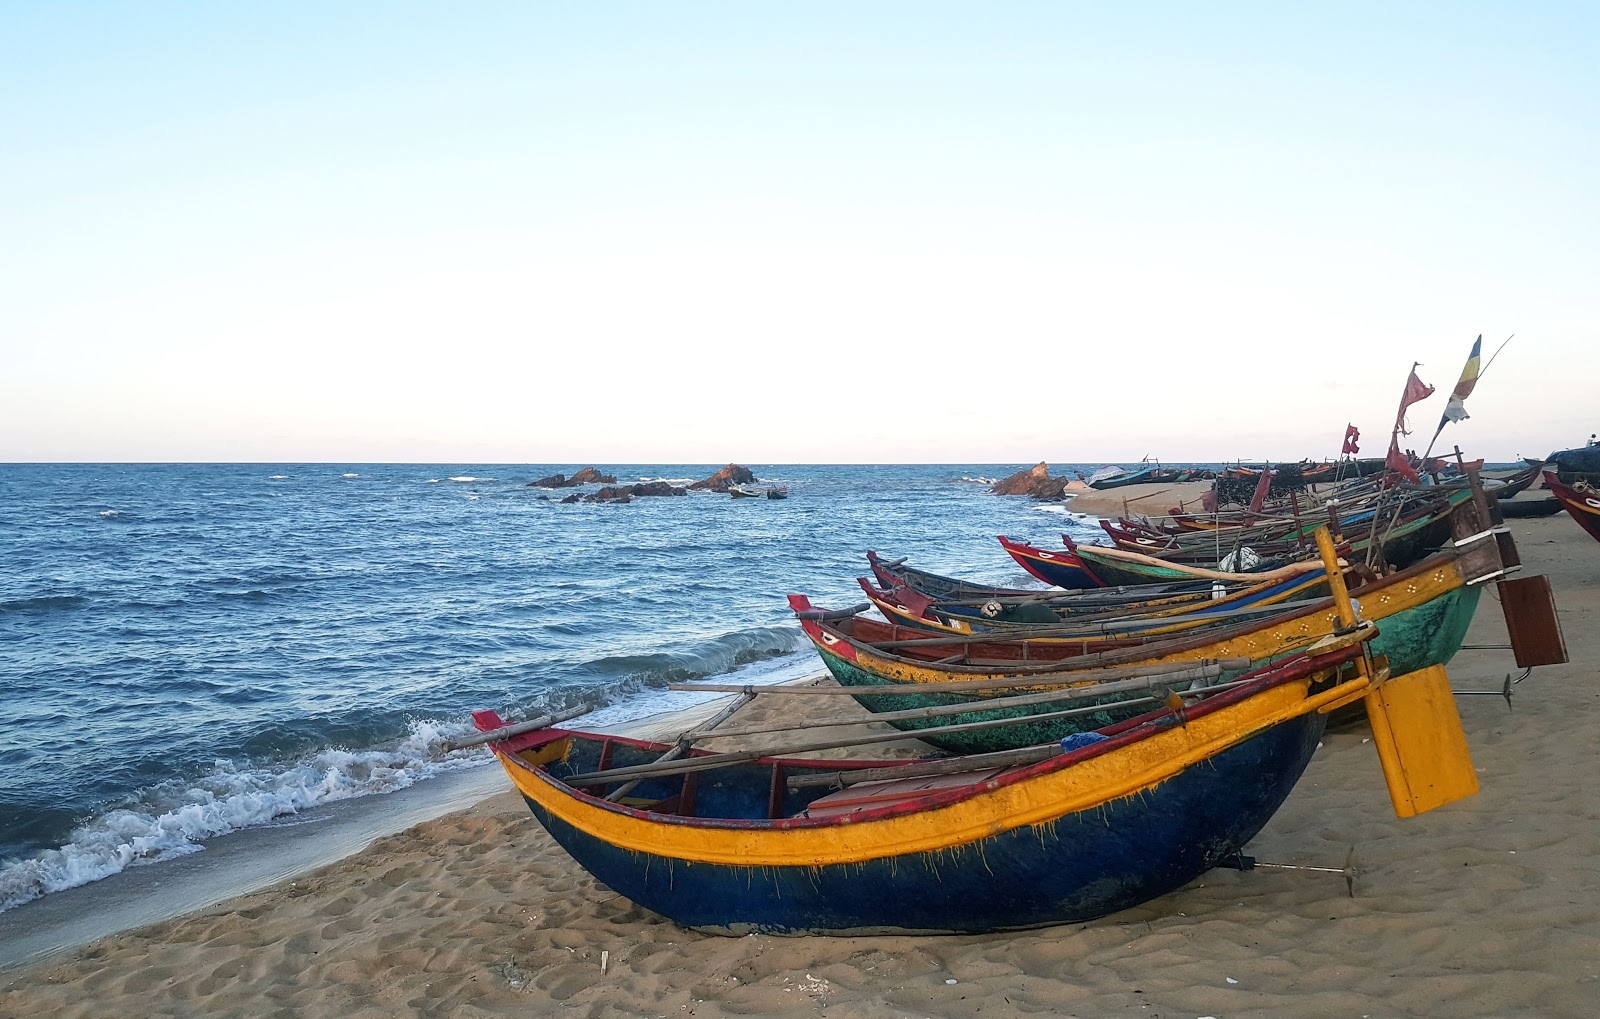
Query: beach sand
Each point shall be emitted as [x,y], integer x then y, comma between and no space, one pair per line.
[1487,907]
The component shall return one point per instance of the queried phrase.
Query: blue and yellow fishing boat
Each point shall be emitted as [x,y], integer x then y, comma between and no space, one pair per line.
[736,844]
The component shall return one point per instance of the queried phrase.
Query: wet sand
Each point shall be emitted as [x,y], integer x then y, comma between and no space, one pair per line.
[1487,907]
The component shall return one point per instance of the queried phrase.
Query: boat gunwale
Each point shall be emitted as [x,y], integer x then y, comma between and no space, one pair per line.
[1121,735]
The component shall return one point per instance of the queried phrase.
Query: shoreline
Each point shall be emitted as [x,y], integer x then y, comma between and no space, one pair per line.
[1482,908]
[251,859]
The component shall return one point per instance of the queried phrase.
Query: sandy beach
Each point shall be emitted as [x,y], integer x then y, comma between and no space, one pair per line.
[1487,907]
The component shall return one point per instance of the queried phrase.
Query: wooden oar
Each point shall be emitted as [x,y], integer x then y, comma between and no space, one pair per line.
[681,767]
[687,740]
[710,761]
[514,729]
[1204,668]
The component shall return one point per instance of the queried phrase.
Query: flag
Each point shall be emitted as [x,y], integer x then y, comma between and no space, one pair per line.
[1351,435]
[1396,461]
[1416,390]
[1262,487]
[1456,409]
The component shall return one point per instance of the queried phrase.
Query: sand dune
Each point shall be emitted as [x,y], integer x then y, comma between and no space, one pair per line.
[1488,907]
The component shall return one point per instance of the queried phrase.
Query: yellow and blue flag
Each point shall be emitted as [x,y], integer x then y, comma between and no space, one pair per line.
[1456,409]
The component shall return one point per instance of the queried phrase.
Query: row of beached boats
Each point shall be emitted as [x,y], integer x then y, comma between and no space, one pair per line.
[1098,746]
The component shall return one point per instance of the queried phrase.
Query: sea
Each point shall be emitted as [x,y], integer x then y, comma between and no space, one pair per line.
[192,650]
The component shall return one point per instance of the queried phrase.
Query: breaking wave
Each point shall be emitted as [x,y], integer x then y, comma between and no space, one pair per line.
[174,819]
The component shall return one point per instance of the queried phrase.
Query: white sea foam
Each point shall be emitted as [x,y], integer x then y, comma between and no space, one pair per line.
[670,481]
[111,513]
[980,480]
[175,820]
[468,477]
[432,481]
[277,477]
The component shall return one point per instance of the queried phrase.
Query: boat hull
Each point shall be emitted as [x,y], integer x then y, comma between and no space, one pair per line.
[1060,567]
[1079,836]
[1083,865]
[1422,621]
[1581,506]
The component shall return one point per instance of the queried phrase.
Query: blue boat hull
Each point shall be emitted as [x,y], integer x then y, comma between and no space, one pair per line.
[1082,865]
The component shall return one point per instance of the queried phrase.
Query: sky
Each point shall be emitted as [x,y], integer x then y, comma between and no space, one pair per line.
[827,232]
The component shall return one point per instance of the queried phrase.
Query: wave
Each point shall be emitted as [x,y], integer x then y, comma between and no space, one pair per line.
[468,477]
[718,655]
[44,603]
[351,475]
[176,818]
[670,481]
[979,480]
[277,477]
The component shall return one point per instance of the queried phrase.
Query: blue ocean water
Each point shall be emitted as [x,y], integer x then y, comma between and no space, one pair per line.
[186,650]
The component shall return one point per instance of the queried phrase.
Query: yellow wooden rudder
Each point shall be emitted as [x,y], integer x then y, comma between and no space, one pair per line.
[1418,733]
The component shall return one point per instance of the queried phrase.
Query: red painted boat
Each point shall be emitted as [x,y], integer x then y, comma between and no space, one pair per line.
[1583,506]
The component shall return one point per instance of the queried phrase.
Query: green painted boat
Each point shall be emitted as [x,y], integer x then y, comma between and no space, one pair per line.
[1422,615]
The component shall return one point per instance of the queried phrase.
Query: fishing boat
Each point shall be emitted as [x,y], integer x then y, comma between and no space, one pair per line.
[1074,619]
[749,843]
[745,492]
[1063,568]
[1584,507]
[1422,615]
[778,492]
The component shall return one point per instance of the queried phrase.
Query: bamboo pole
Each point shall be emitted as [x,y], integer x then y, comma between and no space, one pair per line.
[687,740]
[514,729]
[1198,669]
[1075,693]
[931,769]
[710,761]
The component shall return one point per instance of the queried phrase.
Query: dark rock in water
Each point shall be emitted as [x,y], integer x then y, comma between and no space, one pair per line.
[732,474]
[657,488]
[587,476]
[543,498]
[574,497]
[1035,482]
[625,493]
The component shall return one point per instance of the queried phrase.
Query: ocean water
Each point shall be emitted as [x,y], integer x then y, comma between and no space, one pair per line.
[189,650]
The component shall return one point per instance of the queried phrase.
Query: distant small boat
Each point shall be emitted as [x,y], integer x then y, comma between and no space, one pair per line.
[778,492]
[745,492]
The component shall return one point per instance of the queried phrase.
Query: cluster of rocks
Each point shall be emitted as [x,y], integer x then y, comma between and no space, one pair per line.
[587,476]
[732,474]
[1035,482]
[626,493]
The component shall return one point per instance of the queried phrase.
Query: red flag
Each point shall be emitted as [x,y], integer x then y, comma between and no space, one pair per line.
[1351,434]
[1397,462]
[1416,390]
[1262,486]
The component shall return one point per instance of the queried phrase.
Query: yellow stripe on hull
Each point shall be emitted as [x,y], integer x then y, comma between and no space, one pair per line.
[1257,645]
[1123,772]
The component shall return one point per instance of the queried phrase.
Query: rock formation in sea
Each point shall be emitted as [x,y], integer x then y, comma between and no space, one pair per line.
[1035,482]
[732,474]
[587,476]
[626,493]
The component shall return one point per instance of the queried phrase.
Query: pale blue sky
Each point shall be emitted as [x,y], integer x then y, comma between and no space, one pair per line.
[825,232]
